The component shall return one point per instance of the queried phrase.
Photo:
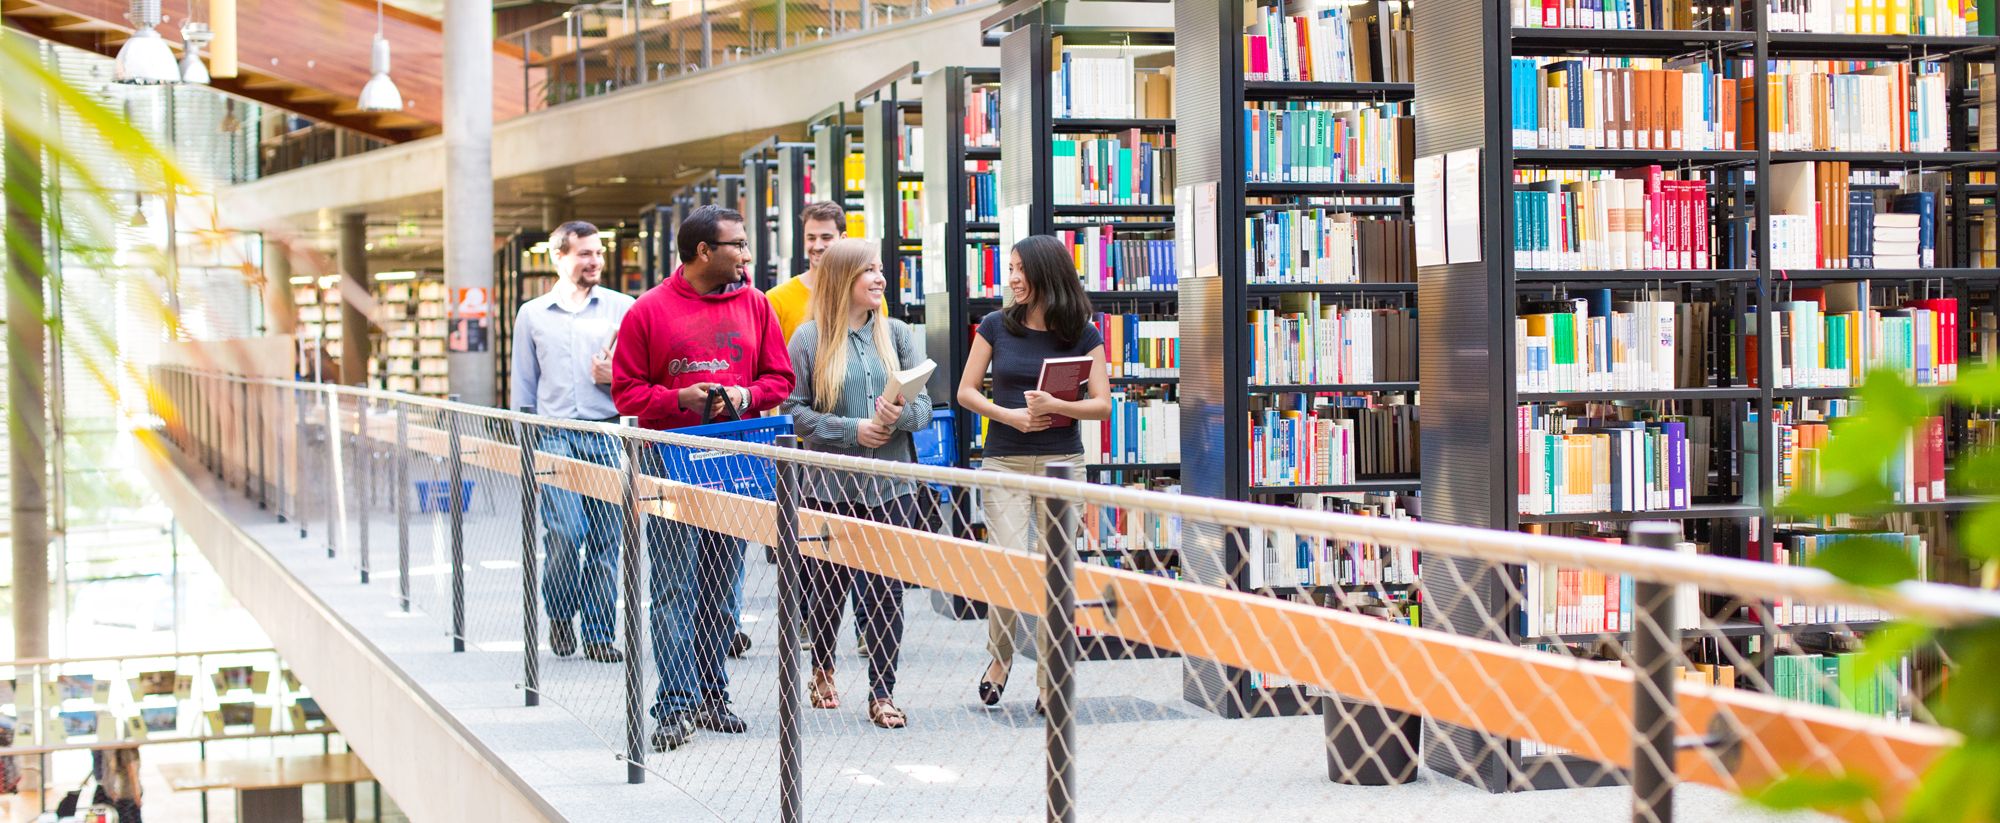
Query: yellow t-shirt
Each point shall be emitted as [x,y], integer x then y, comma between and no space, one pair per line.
[792,302]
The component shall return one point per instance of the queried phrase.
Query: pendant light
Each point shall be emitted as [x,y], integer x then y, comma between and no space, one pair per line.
[145,59]
[380,94]
[193,37]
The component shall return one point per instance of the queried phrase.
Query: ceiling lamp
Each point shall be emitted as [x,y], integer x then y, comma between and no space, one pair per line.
[145,58]
[193,37]
[380,94]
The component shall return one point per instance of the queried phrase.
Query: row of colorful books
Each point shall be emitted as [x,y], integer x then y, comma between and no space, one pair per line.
[982,117]
[1581,465]
[1935,18]
[910,148]
[1277,559]
[982,191]
[1312,340]
[1814,106]
[1916,474]
[1636,218]
[1332,442]
[1324,245]
[1606,14]
[1596,343]
[1111,86]
[1841,680]
[1112,260]
[1818,220]
[1801,546]
[1327,142]
[1128,169]
[1827,340]
[1140,430]
[1623,103]
[1569,601]
[1366,42]
[1139,345]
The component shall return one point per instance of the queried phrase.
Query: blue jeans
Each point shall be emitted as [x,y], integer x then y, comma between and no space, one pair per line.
[574,523]
[695,578]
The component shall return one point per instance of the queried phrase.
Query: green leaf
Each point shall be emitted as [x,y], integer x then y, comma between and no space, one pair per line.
[1869,496]
[1879,654]
[1979,532]
[1825,793]
[1866,561]
[1959,788]
[1979,385]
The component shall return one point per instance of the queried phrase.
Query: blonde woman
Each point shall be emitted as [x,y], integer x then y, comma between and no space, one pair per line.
[842,357]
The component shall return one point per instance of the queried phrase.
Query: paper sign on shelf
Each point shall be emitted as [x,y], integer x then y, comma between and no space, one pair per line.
[1462,206]
[1428,204]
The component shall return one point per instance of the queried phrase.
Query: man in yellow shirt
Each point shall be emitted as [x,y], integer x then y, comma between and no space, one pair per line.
[823,223]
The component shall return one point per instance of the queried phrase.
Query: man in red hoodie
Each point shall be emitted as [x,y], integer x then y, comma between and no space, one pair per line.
[702,329]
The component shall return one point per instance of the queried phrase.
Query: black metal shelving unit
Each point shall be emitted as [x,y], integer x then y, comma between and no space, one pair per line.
[774,189]
[884,112]
[1210,94]
[1464,54]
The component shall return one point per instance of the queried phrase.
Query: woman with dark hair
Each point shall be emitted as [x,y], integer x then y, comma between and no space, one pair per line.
[1049,315]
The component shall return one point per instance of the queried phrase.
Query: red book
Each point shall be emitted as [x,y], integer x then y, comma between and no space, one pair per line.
[1259,56]
[1935,435]
[1063,377]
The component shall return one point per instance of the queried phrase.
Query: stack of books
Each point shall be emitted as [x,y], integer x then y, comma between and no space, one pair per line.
[1313,245]
[1572,465]
[1324,142]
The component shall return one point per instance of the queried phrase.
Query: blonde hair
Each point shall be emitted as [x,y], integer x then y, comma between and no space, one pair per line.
[832,301]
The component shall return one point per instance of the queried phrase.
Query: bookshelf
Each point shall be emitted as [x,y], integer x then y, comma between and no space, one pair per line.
[1234,196]
[411,354]
[523,270]
[1727,358]
[839,164]
[656,245]
[776,177]
[1094,169]
[892,185]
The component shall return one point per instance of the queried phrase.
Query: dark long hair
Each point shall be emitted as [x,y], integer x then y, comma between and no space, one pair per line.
[1051,275]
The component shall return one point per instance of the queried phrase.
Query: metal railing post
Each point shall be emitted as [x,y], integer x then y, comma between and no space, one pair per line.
[531,677]
[364,456]
[576,44]
[1656,648]
[263,466]
[299,457]
[1058,649]
[635,751]
[284,510]
[401,487]
[455,499]
[790,766]
[333,525]
[243,426]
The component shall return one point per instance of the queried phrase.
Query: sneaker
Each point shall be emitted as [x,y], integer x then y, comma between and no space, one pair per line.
[740,645]
[603,653]
[715,716]
[562,638]
[674,732]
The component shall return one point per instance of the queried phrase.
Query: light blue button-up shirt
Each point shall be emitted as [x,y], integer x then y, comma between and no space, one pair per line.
[553,347]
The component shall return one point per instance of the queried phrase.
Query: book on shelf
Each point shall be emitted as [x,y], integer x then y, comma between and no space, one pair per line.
[854,172]
[1109,259]
[1306,141]
[1937,18]
[1139,430]
[1137,345]
[1816,106]
[910,280]
[982,189]
[1573,464]
[910,208]
[1915,474]
[1636,218]
[1275,558]
[1111,86]
[910,148]
[982,117]
[1064,378]
[1841,680]
[1131,168]
[1309,340]
[1624,103]
[1832,337]
[1368,42]
[1299,440]
[1323,245]
[1608,14]
[1801,545]
[1132,539]
[984,274]
[1559,601]
[1597,343]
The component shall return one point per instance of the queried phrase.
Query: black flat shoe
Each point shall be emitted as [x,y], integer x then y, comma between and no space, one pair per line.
[989,691]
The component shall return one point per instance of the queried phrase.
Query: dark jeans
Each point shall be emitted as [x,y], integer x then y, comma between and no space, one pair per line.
[878,600]
[574,524]
[694,577]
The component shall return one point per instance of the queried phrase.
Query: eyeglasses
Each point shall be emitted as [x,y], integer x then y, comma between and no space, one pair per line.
[741,245]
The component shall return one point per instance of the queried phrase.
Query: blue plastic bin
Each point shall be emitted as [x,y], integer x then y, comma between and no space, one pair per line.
[435,495]
[938,445]
[726,471]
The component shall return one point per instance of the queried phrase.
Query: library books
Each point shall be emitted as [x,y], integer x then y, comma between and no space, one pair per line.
[1128,169]
[983,270]
[1624,103]
[1814,106]
[982,182]
[1567,601]
[1796,545]
[1117,537]
[1321,245]
[854,172]
[910,208]
[1139,430]
[1112,260]
[1636,218]
[1339,440]
[1583,465]
[910,148]
[1275,559]
[1300,141]
[1944,18]
[909,282]
[1309,341]
[982,117]
[1832,338]
[1594,343]
[1916,474]
[1137,345]
[1840,680]
[1609,14]
[1108,87]
[1368,42]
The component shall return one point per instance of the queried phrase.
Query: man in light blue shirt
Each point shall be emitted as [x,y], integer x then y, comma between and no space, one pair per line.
[562,368]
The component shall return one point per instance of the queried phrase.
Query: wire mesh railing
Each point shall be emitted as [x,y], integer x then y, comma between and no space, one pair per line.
[598,48]
[686,599]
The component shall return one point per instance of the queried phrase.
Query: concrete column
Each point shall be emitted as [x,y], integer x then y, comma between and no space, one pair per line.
[357,299]
[468,180]
[281,314]
[27,418]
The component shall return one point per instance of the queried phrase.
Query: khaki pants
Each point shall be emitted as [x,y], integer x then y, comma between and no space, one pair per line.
[1011,524]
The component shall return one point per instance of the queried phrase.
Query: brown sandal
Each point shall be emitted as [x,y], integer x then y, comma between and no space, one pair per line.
[824,695]
[883,712]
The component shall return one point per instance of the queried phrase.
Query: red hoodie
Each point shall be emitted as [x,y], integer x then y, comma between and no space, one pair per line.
[673,338]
